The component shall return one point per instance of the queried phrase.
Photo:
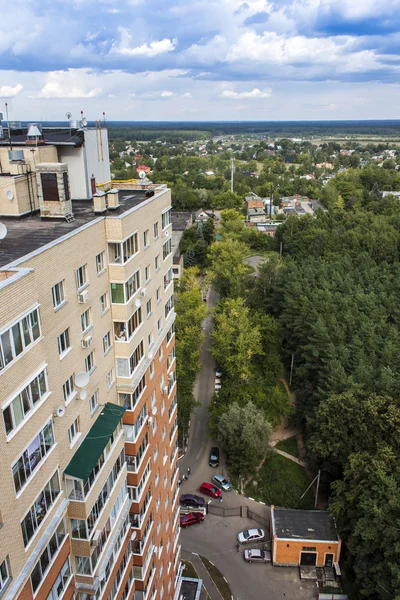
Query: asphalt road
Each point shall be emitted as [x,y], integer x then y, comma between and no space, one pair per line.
[215,538]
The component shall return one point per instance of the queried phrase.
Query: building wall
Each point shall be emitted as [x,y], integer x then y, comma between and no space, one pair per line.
[288,552]
[74,158]
[97,155]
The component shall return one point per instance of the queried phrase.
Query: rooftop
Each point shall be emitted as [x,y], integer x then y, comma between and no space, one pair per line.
[56,136]
[303,524]
[27,234]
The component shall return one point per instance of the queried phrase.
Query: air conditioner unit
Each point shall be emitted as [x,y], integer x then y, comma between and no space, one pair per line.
[165,389]
[60,412]
[150,421]
[87,341]
[143,292]
[96,538]
[83,297]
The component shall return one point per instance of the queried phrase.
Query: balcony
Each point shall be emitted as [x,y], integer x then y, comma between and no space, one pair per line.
[145,594]
[135,462]
[139,546]
[136,491]
[141,572]
[137,519]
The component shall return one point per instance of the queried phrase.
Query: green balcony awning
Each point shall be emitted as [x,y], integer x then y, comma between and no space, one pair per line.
[89,452]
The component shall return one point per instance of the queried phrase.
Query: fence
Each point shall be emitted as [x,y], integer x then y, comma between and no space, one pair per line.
[238,511]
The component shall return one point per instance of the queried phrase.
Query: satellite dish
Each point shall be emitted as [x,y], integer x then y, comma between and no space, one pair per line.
[142,174]
[60,412]
[154,410]
[82,379]
[137,302]
[68,115]
[83,122]
[3,231]
[10,195]
[83,395]
[133,536]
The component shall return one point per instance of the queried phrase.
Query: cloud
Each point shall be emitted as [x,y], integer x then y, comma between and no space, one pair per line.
[146,50]
[255,93]
[68,84]
[167,94]
[187,95]
[6,91]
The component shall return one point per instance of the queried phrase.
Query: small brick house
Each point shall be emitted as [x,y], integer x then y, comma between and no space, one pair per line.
[304,538]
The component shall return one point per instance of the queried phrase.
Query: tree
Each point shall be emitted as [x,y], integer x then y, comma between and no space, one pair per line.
[230,273]
[244,434]
[236,339]
[224,200]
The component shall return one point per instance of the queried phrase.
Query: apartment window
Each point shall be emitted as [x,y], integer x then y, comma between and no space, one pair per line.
[32,457]
[167,248]
[107,342]
[166,218]
[136,357]
[147,273]
[81,277]
[121,293]
[150,339]
[83,565]
[68,388]
[58,293]
[110,378]
[73,430]
[169,306]
[158,295]
[114,253]
[61,582]
[159,325]
[20,407]
[39,509]
[4,574]
[148,307]
[100,262]
[85,320]
[94,401]
[130,247]
[152,369]
[103,303]
[78,529]
[155,230]
[89,362]
[15,339]
[63,342]
[157,263]
[47,557]
[168,278]
[146,241]
[160,353]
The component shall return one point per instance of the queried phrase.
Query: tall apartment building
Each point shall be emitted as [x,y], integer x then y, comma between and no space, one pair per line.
[88,440]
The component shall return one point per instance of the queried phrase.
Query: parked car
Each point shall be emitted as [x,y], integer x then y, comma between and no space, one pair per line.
[192,500]
[221,483]
[250,535]
[256,555]
[214,457]
[210,490]
[191,519]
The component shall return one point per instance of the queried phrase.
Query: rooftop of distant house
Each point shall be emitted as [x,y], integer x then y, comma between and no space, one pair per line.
[181,220]
[303,524]
[28,234]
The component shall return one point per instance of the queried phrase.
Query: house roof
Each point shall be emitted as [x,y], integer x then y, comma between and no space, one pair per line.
[315,525]
[55,136]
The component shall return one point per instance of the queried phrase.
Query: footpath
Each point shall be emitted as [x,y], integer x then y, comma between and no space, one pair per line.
[203,574]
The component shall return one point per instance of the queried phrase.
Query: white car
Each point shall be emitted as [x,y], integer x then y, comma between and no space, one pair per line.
[250,535]
[256,555]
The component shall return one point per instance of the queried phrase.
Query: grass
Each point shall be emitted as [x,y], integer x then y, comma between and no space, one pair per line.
[189,570]
[217,578]
[290,446]
[281,482]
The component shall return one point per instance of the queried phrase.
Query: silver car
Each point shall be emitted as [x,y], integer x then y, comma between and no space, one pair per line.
[222,483]
[250,535]
[256,555]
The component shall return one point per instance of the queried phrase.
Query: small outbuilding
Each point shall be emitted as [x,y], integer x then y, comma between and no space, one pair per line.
[304,538]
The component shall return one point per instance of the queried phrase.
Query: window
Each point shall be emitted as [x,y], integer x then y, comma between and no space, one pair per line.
[122,293]
[129,400]
[61,582]
[148,307]
[73,430]
[85,320]
[136,357]
[169,306]
[168,278]
[110,378]
[68,388]
[146,238]
[63,342]
[155,230]
[78,529]
[167,248]
[150,339]
[89,362]
[100,262]
[49,187]
[130,247]
[18,337]
[40,508]
[159,325]
[107,342]
[147,273]
[83,565]
[19,408]
[32,457]
[81,277]
[48,555]
[157,263]
[66,186]
[166,218]
[103,303]
[58,293]
[94,401]
[4,574]
[152,369]
[158,295]
[114,253]
[160,353]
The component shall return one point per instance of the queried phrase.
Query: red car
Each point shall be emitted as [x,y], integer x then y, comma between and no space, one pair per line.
[191,519]
[210,490]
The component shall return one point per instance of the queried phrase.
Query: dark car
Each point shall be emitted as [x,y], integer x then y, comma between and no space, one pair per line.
[191,519]
[192,500]
[214,457]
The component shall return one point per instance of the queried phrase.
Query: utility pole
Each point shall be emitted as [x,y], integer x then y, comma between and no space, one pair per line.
[316,491]
[232,171]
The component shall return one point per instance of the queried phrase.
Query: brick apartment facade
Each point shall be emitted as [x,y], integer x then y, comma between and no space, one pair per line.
[89,499]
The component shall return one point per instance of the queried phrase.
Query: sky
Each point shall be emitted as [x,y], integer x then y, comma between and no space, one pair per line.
[196,60]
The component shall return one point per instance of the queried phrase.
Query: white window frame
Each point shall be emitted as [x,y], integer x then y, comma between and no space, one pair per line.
[100,263]
[104,306]
[85,321]
[69,386]
[110,380]
[90,358]
[73,431]
[156,232]
[27,399]
[81,277]
[146,239]
[58,294]
[107,343]
[94,398]
[64,340]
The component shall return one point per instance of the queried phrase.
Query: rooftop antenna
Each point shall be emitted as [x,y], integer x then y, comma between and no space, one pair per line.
[69,115]
[104,119]
[8,127]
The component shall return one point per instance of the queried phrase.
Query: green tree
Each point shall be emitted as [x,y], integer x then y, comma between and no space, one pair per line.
[230,273]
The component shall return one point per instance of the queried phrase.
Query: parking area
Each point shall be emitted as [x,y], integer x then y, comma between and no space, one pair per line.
[215,539]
